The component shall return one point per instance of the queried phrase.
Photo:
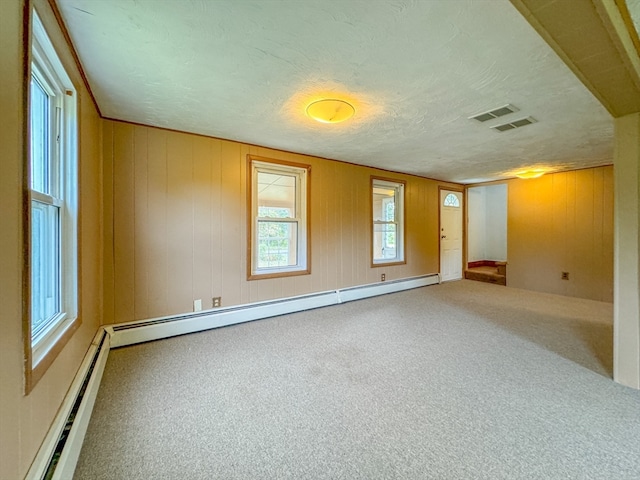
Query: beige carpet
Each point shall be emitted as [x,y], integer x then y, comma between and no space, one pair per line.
[464,380]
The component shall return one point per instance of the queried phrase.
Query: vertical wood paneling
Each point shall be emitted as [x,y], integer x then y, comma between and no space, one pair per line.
[216,218]
[157,251]
[607,236]
[543,201]
[558,230]
[346,230]
[124,220]
[562,222]
[108,307]
[598,253]
[232,216]
[584,254]
[318,238]
[202,221]
[361,220]
[141,226]
[181,232]
[180,225]
[571,239]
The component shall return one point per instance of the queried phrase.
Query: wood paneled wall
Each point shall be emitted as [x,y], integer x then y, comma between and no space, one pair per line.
[25,420]
[175,207]
[562,222]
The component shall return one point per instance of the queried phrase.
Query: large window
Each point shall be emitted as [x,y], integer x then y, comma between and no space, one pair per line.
[52,174]
[387,199]
[278,214]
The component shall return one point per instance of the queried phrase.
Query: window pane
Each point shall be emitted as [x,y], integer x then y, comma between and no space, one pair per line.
[45,265]
[276,195]
[384,204]
[277,244]
[384,241]
[275,212]
[39,138]
[451,200]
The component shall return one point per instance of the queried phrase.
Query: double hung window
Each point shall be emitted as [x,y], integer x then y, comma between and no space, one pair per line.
[52,174]
[387,199]
[279,227]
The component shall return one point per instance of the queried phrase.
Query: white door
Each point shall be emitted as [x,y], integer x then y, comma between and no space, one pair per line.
[450,235]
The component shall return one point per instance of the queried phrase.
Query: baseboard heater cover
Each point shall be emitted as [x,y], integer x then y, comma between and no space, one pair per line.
[129,333]
[58,454]
[60,450]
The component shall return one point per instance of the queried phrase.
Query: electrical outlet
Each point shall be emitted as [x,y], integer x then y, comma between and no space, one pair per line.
[216,302]
[565,275]
[197,305]
[383,277]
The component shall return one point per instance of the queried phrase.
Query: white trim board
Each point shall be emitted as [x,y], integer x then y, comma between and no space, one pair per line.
[61,447]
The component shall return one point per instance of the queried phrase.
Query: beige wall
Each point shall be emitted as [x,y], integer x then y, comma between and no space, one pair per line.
[24,420]
[176,204]
[562,222]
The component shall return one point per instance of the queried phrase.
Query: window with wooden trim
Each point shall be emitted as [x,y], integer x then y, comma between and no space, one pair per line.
[279,228]
[53,202]
[387,200]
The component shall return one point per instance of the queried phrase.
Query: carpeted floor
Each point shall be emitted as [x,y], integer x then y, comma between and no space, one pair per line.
[463,380]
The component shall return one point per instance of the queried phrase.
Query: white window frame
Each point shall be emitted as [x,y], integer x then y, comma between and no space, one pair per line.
[48,70]
[398,187]
[301,174]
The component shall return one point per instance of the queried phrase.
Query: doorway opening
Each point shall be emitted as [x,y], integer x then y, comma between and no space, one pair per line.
[487,234]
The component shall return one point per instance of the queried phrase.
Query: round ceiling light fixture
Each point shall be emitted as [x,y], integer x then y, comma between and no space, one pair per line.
[527,174]
[330,110]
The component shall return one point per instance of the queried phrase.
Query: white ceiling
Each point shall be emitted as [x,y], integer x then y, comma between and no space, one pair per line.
[415,70]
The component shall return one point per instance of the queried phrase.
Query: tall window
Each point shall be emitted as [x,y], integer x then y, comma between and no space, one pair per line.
[388,221]
[53,197]
[279,214]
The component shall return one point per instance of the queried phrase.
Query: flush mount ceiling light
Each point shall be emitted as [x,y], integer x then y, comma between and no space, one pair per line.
[330,110]
[527,174]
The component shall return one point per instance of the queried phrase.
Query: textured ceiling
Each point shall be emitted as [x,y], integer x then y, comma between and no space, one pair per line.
[415,71]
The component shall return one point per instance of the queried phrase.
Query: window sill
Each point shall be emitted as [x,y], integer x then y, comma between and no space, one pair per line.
[289,273]
[388,264]
[43,355]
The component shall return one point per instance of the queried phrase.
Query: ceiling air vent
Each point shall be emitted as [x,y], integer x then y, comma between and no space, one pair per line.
[516,124]
[498,112]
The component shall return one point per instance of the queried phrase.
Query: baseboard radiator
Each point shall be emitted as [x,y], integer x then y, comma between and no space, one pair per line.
[144,331]
[60,450]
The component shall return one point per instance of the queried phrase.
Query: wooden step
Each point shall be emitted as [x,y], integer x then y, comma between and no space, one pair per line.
[484,274]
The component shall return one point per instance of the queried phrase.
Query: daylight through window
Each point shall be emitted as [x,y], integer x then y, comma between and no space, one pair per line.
[388,221]
[279,219]
[53,194]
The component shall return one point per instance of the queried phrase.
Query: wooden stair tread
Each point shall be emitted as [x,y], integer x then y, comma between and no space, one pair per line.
[485,274]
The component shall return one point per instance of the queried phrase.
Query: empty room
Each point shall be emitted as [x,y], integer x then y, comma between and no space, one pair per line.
[389,239]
